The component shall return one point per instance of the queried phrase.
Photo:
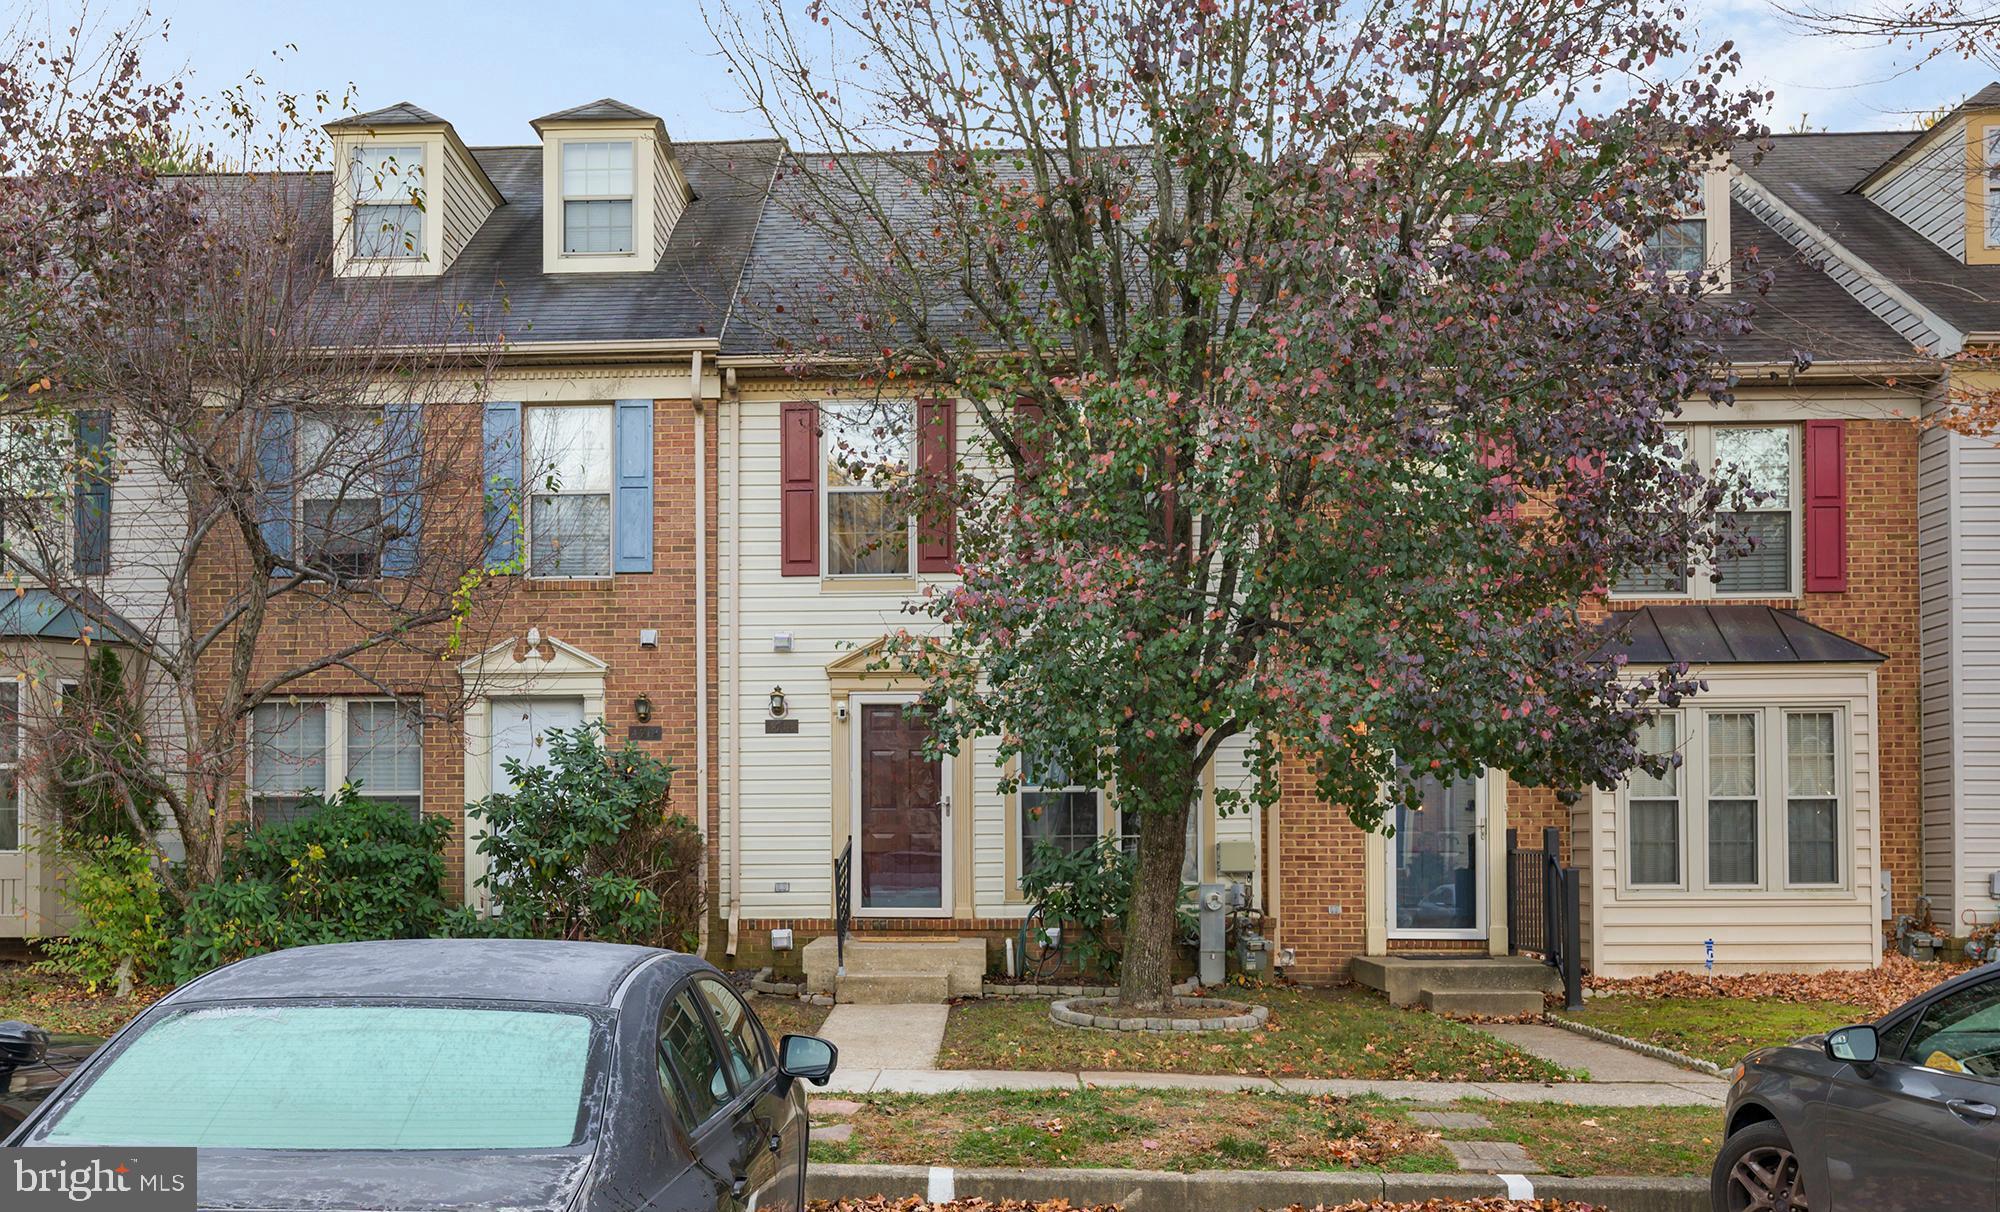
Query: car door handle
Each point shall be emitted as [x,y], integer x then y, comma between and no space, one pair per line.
[738,1186]
[1965,1108]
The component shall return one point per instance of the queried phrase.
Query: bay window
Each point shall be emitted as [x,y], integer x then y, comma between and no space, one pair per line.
[310,748]
[570,468]
[387,188]
[597,196]
[1772,802]
[866,456]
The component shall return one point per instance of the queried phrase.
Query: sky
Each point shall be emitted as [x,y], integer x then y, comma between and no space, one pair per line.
[491,67]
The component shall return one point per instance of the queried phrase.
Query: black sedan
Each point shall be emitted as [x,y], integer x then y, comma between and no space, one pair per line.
[435,1075]
[1898,1115]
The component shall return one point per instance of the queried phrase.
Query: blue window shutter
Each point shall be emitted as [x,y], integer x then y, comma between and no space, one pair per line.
[274,468]
[504,498]
[634,507]
[92,554]
[402,512]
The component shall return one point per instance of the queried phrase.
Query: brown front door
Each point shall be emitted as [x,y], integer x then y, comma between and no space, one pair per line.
[900,864]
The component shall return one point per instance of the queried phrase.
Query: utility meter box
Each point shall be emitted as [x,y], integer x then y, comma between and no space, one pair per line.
[1240,858]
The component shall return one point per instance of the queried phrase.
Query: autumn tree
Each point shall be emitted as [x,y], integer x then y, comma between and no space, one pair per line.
[1320,366]
[226,437]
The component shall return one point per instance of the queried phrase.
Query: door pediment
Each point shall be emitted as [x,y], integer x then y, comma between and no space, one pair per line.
[550,667]
[869,669]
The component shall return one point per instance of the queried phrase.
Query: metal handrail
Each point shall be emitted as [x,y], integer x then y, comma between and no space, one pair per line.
[843,902]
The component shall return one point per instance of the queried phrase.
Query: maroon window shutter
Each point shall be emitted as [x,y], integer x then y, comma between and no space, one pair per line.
[937,460]
[798,469]
[1826,506]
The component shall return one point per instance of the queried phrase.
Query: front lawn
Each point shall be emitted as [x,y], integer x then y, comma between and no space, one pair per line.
[784,1016]
[1187,1130]
[1715,1029]
[1135,1129]
[1311,1033]
[63,1005]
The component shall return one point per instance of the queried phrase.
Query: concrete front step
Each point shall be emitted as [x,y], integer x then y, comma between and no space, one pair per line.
[1486,1003]
[932,969]
[892,988]
[1405,977]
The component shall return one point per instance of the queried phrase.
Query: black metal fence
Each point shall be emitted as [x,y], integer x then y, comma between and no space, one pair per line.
[1545,909]
[843,902]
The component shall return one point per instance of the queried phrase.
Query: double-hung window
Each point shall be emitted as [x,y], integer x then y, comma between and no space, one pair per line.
[1734,816]
[35,457]
[1812,797]
[387,184]
[1763,460]
[1057,810]
[340,496]
[309,748]
[1128,836]
[570,470]
[597,196]
[1989,186]
[1680,245]
[1654,810]
[867,455]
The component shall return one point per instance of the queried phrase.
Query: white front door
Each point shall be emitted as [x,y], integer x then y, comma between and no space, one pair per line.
[1437,863]
[520,733]
[902,815]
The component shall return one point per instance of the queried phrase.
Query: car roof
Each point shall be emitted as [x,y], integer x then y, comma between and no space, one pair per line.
[517,970]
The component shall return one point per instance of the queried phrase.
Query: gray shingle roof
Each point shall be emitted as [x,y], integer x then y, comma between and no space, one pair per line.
[402,113]
[1815,174]
[1804,310]
[1724,635]
[604,109]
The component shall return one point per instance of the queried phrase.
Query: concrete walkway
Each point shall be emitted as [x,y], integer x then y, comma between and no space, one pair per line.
[905,1037]
[1604,1062]
[1687,1090]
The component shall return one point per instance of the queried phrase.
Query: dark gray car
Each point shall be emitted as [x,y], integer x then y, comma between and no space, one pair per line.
[435,1076]
[1894,1116]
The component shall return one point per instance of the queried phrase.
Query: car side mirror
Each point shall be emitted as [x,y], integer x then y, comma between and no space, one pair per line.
[1856,1045]
[807,1058]
[21,1044]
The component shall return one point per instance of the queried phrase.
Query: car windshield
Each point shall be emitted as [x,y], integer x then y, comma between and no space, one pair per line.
[341,1077]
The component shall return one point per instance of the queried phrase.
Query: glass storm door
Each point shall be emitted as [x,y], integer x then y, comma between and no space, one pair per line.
[902,818]
[1437,863]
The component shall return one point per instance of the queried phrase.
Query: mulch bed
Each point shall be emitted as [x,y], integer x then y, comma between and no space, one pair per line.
[1878,990]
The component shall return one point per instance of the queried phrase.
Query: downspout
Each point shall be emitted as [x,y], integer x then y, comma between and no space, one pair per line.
[697,390]
[731,506]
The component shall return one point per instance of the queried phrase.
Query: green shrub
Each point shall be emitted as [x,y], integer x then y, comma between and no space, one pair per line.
[1089,892]
[350,869]
[589,846]
[122,922]
[100,760]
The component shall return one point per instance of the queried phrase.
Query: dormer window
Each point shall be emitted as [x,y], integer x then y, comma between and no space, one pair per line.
[597,196]
[612,189]
[1679,247]
[1695,241]
[387,184]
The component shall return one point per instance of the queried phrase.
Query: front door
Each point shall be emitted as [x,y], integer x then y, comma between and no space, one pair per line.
[1437,861]
[902,817]
[521,733]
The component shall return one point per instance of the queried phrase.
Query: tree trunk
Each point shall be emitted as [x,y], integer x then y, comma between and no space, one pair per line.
[1146,974]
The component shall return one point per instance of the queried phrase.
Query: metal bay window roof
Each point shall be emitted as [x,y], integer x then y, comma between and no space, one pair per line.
[1724,635]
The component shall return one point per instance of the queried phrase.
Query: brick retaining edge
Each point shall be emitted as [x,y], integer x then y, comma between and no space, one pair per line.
[1243,1190]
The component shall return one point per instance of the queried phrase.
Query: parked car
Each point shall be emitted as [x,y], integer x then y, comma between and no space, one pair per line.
[434,1075]
[1898,1115]
[31,1065]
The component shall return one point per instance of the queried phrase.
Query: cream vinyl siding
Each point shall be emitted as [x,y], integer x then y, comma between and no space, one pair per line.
[1928,191]
[466,203]
[783,783]
[1634,931]
[1959,580]
[670,193]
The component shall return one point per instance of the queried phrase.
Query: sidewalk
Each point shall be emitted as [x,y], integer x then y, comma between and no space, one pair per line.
[1685,1090]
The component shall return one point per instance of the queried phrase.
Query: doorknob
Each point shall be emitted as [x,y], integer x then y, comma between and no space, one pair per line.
[1965,1108]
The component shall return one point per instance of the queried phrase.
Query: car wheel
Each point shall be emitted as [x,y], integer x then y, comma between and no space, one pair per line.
[1757,1172]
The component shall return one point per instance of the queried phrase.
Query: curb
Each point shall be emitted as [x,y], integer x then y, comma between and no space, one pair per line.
[1640,1046]
[1242,1190]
